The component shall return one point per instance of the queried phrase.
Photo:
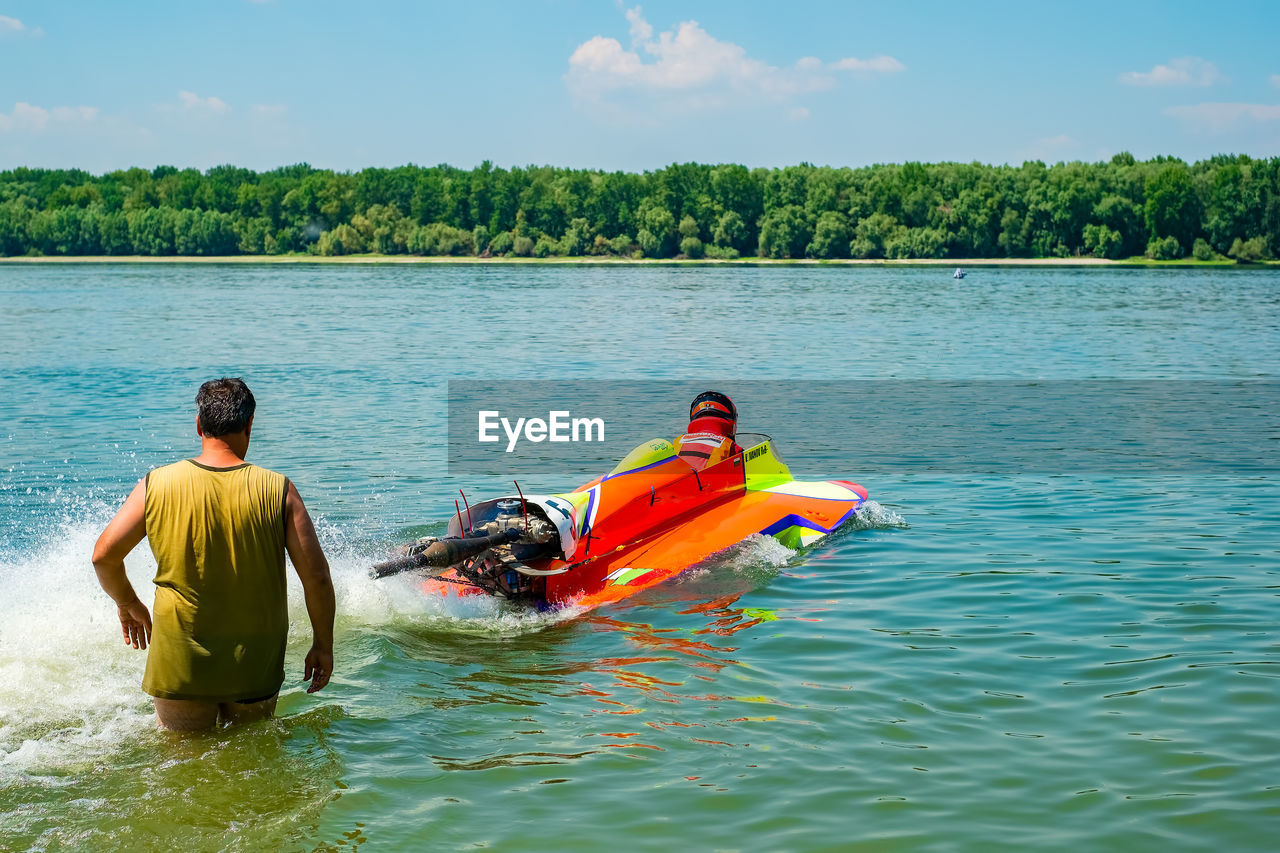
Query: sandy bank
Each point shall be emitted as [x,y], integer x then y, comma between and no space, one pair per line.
[601,261]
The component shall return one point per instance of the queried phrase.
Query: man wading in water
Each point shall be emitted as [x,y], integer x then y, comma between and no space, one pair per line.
[219,528]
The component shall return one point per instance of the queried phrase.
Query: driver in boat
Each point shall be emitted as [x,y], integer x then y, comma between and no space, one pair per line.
[713,419]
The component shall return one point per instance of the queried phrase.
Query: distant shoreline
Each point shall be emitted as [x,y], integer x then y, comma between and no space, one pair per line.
[606,261]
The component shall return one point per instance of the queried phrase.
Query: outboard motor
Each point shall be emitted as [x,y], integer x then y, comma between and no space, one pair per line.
[505,547]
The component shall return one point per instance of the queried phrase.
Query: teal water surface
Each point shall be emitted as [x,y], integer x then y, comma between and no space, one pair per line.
[1056,659]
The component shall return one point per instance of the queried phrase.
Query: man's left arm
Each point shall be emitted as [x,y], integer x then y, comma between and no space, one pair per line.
[317,587]
[121,536]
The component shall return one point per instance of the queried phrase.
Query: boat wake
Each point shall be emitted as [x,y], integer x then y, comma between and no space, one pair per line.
[70,688]
[873,515]
[759,558]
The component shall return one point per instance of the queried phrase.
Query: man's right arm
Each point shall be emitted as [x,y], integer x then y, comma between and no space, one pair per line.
[121,535]
[317,587]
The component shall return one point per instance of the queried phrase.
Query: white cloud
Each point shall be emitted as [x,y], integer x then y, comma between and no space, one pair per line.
[13,27]
[29,118]
[192,102]
[683,69]
[1275,80]
[798,113]
[268,109]
[1059,141]
[1184,71]
[641,30]
[1048,148]
[880,64]
[1219,117]
[686,59]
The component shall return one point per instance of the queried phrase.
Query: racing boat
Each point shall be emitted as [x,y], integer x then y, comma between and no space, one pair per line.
[650,518]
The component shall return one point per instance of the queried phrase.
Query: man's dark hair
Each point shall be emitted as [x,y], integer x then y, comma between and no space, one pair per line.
[224,406]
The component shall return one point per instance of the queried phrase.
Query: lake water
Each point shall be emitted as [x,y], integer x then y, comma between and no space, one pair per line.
[1049,658]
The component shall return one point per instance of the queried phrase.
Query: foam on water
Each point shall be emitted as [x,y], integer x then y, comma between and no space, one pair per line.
[68,684]
[70,687]
[875,516]
[755,555]
[398,601]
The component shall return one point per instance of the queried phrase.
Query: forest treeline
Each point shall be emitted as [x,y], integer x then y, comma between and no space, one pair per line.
[1163,208]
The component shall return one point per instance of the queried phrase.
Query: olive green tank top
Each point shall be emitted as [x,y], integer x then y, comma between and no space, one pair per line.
[220,618]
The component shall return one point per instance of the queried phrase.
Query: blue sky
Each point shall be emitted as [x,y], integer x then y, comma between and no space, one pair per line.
[631,86]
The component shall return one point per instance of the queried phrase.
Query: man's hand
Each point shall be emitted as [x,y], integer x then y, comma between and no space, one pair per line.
[135,620]
[319,666]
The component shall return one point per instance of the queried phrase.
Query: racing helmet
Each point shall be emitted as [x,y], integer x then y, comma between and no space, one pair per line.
[713,404]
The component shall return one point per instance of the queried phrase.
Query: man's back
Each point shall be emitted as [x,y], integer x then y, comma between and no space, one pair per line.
[221,620]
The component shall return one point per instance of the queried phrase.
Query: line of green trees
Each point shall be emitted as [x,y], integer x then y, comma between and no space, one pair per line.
[1163,208]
